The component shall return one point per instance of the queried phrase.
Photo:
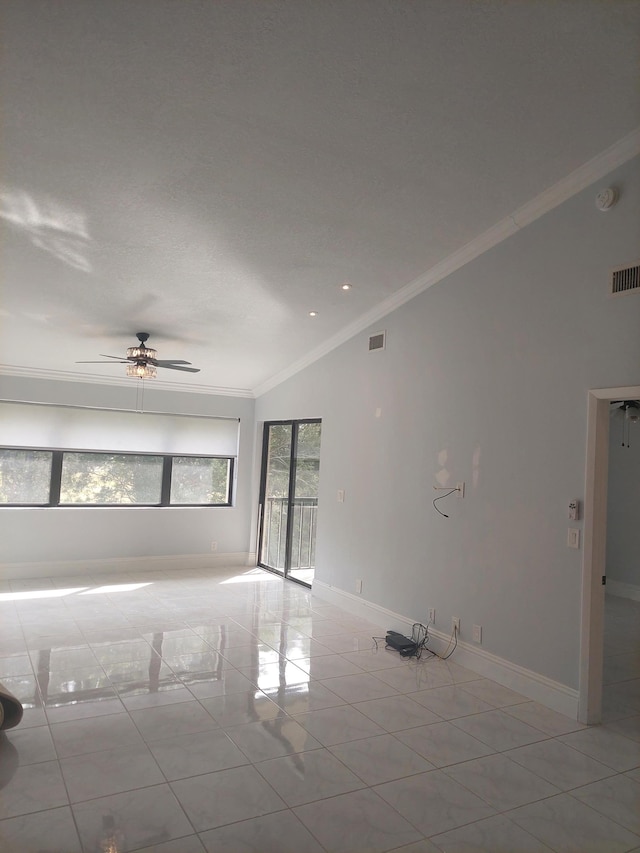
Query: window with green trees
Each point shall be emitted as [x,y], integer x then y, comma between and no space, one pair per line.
[25,476]
[73,478]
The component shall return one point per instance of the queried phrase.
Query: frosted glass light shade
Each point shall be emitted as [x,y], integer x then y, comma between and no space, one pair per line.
[141,352]
[142,371]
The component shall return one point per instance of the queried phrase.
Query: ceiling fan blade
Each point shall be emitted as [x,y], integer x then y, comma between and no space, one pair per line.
[119,357]
[167,362]
[103,362]
[177,367]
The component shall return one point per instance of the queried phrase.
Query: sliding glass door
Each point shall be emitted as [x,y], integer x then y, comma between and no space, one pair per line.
[289,498]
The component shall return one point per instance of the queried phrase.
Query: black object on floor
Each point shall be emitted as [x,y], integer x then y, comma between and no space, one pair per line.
[10,709]
[400,643]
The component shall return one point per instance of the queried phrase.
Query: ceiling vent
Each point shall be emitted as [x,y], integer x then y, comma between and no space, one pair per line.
[625,279]
[377,341]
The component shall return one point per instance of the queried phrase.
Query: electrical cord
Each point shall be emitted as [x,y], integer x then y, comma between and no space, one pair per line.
[419,636]
[419,639]
[439,498]
[454,637]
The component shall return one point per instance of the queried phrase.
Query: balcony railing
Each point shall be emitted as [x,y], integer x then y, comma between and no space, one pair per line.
[303,537]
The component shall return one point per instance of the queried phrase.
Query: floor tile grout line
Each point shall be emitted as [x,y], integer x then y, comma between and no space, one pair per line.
[615,773]
[608,817]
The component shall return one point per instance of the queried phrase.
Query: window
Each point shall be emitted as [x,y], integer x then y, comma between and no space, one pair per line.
[197,480]
[110,478]
[73,478]
[25,476]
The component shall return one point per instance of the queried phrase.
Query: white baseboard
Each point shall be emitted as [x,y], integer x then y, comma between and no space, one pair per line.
[118,565]
[623,590]
[531,684]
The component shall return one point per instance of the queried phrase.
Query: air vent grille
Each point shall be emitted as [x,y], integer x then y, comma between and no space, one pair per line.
[625,279]
[377,341]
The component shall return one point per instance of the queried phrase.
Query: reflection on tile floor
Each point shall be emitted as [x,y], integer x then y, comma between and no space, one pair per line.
[230,710]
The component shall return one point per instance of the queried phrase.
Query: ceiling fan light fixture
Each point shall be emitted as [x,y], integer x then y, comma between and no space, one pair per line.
[142,371]
[141,352]
[142,361]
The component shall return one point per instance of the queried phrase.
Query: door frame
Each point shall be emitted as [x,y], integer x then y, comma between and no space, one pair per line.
[595,549]
[294,422]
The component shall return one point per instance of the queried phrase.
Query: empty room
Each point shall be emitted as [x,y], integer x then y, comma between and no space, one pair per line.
[320,426]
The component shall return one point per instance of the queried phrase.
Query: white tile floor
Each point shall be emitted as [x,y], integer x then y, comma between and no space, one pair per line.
[234,712]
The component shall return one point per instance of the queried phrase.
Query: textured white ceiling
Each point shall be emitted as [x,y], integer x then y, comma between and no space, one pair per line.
[212,171]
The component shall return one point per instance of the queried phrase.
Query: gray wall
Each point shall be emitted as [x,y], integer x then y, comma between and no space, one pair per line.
[485,375]
[623,510]
[34,535]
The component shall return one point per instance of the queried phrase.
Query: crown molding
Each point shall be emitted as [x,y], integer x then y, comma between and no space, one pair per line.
[95,379]
[581,178]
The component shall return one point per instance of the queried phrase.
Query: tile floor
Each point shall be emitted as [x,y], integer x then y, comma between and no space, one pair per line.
[234,712]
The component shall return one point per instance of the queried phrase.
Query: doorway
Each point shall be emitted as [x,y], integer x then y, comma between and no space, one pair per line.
[594,556]
[289,498]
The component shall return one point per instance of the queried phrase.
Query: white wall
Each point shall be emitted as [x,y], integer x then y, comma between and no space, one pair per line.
[41,535]
[485,375]
[623,512]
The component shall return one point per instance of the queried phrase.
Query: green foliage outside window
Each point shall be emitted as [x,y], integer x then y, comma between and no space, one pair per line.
[74,478]
[110,478]
[25,476]
[197,480]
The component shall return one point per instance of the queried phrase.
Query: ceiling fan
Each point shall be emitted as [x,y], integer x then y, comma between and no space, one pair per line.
[141,360]
[629,409]
[626,412]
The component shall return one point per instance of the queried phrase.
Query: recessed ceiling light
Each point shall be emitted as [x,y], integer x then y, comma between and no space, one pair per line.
[313,313]
[345,286]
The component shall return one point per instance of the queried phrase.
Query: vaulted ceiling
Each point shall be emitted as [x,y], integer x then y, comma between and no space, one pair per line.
[211,171]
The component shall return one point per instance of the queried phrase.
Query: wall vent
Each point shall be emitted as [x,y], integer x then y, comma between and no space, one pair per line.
[625,279]
[377,340]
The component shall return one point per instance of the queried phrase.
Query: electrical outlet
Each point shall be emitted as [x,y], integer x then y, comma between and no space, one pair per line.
[340,497]
[359,585]
[460,489]
[432,615]
[214,546]
[477,633]
[455,624]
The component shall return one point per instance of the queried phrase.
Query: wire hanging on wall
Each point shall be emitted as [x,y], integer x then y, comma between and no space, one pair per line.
[440,497]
